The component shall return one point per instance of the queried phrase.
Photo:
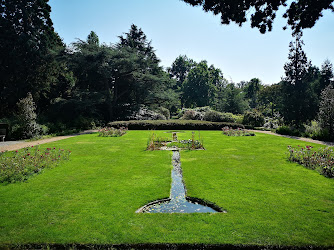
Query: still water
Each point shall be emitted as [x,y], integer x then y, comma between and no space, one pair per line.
[178,202]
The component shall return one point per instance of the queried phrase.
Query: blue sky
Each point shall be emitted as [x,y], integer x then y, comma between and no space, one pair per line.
[176,28]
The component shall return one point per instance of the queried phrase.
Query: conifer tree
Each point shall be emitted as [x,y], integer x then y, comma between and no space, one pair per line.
[26,41]
[299,101]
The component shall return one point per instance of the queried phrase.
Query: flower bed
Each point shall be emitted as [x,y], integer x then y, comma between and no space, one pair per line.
[112,132]
[157,143]
[20,165]
[236,132]
[322,160]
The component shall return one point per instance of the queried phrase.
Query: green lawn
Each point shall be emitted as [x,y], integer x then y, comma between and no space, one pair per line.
[92,198]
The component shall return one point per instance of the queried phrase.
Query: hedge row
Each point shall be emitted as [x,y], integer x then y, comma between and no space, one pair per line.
[173,124]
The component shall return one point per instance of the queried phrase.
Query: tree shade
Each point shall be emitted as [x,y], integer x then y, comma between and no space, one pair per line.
[300,14]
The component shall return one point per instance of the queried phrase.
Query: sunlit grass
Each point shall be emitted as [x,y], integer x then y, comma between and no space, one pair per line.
[92,198]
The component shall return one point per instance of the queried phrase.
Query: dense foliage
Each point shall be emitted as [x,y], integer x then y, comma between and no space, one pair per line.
[300,14]
[326,113]
[254,119]
[88,84]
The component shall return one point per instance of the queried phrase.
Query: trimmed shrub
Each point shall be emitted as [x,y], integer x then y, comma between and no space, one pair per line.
[215,116]
[173,125]
[253,118]
[238,118]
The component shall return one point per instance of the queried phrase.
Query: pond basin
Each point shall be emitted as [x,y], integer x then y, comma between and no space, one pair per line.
[178,202]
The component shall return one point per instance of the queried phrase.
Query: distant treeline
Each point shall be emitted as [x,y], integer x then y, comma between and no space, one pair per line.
[48,86]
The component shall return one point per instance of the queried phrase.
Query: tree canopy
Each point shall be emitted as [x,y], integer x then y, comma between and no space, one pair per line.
[26,42]
[300,14]
[89,82]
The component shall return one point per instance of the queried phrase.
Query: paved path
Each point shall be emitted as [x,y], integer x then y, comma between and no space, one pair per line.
[295,137]
[15,145]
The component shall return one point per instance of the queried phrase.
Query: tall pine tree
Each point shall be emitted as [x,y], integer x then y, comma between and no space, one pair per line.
[299,102]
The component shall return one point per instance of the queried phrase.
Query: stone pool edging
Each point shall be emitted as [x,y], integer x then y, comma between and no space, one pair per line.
[141,210]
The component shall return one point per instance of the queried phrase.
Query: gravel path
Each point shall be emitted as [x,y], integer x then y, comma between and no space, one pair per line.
[15,145]
[295,137]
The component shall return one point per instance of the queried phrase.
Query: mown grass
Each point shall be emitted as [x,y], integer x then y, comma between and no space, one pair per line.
[92,198]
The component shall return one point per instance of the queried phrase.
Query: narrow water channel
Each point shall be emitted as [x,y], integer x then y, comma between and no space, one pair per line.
[177,202]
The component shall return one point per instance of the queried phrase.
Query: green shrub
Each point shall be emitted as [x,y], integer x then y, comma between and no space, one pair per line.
[202,109]
[67,132]
[212,116]
[287,130]
[27,127]
[44,129]
[322,134]
[238,118]
[312,129]
[315,131]
[83,122]
[192,115]
[253,118]
[326,110]
[173,125]
[163,111]
[215,116]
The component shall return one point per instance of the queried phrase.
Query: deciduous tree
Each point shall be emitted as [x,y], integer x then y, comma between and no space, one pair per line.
[197,89]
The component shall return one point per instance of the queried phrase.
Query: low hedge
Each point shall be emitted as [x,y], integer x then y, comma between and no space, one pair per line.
[173,124]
